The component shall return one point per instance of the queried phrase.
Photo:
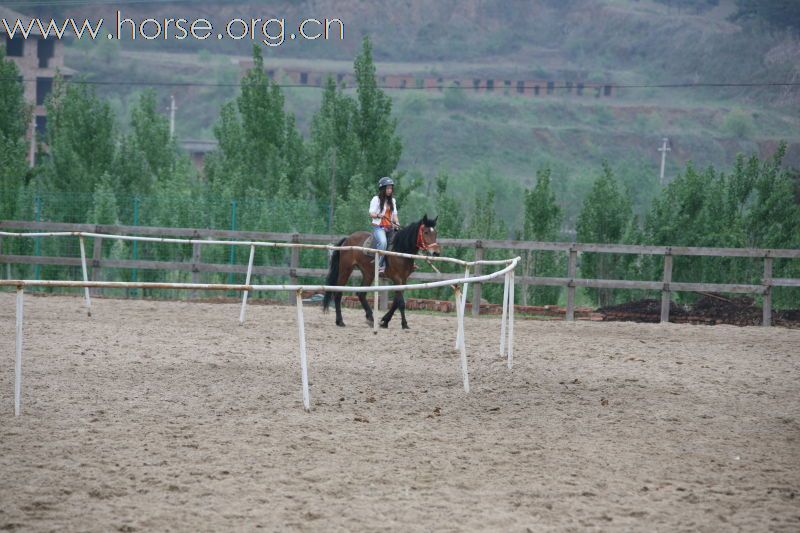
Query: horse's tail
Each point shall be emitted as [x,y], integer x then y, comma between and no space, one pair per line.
[333,277]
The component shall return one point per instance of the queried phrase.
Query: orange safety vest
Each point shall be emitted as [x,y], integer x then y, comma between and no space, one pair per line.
[386,219]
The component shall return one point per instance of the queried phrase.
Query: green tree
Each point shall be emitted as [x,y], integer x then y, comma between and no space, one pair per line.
[542,221]
[14,120]
[773,219]
[104,203]
[334,147]
[151,131]
[148,158]
[450,213]
[483,223]
[259,146]
[379,143]
[755,205]
[81,138]
[604,218]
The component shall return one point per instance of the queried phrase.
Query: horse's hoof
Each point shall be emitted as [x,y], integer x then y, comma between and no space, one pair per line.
[384,325]
[340,324]
[405,326]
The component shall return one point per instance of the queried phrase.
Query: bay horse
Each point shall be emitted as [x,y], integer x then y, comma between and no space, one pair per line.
[416,237]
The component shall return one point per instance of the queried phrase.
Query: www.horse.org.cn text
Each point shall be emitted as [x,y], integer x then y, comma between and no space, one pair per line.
[269,31]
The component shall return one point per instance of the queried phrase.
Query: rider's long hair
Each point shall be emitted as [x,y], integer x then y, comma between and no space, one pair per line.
[383,197]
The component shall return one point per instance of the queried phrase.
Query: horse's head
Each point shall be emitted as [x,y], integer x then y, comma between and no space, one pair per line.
[426,238]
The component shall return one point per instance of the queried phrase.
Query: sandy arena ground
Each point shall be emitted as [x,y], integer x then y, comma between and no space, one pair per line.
[154,416]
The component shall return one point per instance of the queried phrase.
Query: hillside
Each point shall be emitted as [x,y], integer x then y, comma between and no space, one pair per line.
[495,140]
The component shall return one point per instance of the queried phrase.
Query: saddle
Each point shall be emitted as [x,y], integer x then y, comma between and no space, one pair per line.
[370,242]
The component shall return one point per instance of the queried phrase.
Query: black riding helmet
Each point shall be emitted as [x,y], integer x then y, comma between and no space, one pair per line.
[385,182]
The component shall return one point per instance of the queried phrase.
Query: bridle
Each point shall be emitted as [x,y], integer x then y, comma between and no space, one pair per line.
[420,241]
[422,246]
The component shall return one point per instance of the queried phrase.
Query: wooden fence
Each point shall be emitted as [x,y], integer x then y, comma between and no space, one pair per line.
[197,266]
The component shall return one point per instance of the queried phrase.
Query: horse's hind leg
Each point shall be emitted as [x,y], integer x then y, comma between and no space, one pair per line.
[367,277]
[344,274]
[338,301]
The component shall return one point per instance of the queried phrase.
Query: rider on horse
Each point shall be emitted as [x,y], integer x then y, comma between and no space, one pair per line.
[383,212]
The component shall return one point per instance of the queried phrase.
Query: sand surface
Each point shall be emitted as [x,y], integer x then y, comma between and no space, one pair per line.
[155,416]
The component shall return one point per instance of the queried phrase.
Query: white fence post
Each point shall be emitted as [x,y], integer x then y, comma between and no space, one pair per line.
[85,277]
[463,302]
[303,359]
[462,344]
[504,317]
[511,321]
[247,282]
[377,293]
[18,358]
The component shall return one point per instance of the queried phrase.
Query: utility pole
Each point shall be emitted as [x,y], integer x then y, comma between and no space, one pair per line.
[172,109]
[664,149]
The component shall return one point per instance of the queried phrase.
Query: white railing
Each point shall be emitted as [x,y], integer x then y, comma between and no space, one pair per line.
[460,286]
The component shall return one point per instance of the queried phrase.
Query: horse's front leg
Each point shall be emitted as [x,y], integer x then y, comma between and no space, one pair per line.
[388,316]
[402,310]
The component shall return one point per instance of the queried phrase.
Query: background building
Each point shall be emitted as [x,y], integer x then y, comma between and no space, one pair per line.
[38,60]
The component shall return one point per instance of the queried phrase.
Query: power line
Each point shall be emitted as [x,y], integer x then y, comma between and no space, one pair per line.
[46,3]
[493,88]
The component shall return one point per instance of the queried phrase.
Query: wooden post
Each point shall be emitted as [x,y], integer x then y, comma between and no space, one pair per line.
[97,255]
[527,272]
[666,294]
[294,263]
[476,290]
[195,270]
[767,282]
[383,300]
[572,265]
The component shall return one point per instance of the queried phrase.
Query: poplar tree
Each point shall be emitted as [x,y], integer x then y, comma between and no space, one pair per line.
[542,221]
[14,120]
[604,218]
[81,138]
[379,143]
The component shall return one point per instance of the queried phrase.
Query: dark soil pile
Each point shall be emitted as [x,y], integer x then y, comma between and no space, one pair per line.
[709,309]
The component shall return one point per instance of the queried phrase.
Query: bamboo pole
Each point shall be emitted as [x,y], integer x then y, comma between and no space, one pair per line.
[504,318]
[247,282]
[376,283]
[85,278]
[463,302]
[462,344]
[301,333]
[18,354]
[511,320]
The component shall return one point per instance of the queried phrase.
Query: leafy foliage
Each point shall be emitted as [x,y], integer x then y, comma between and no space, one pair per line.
[14,120]
[542,221]
[606,218]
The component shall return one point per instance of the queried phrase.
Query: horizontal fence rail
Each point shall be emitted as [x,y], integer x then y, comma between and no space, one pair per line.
[199,237]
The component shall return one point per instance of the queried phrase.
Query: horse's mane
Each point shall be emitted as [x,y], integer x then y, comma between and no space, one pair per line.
[405,242]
